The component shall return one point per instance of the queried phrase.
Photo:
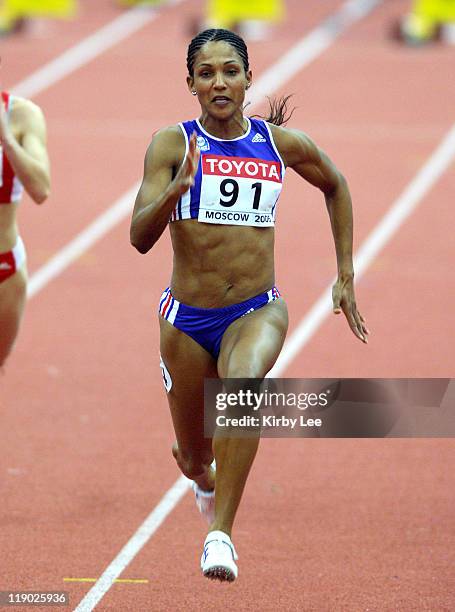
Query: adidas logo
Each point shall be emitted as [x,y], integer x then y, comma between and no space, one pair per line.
[5,266]
[259,138]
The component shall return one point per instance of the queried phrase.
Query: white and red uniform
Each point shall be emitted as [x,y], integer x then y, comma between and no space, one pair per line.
[11,190]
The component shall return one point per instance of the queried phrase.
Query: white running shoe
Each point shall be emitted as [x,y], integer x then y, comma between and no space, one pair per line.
[205,500]
[219,557]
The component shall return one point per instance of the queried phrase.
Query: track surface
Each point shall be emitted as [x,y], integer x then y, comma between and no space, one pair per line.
[334,525]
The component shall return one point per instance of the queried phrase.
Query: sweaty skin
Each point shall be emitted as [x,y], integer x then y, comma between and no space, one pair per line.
[219,265]
[215,266]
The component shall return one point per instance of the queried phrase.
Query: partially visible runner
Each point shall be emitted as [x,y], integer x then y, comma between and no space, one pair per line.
[215,181]
[24,164]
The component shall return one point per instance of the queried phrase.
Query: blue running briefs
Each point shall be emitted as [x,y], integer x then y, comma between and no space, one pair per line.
[207,325]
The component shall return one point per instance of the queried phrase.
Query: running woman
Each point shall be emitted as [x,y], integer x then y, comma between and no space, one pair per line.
[215,181]
[24,164]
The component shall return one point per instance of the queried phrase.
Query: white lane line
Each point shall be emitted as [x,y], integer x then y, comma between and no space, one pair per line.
[379,237]
[390,223]
[268,83]
[134,545]
[82,242]
[88,49]
[308,49]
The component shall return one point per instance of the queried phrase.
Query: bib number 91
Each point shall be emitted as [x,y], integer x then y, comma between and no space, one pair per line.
[229,188]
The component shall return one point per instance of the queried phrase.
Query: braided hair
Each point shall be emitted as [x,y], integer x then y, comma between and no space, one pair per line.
[216,35]
[278,110]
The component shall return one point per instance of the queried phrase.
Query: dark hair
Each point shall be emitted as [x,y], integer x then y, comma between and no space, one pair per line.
[216,35]
[279,114]
[278,108]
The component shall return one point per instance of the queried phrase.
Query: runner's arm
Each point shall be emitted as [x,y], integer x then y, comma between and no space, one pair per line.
[159,191]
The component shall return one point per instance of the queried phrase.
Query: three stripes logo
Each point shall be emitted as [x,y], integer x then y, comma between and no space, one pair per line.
[258,138]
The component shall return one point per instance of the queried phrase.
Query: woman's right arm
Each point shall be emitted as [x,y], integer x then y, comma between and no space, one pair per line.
[159,192]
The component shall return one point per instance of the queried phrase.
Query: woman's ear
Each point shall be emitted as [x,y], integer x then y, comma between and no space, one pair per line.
[190,83]
[249,79]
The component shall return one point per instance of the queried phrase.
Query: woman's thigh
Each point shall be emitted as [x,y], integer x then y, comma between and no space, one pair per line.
[187,364]
[251,344]
[12,301]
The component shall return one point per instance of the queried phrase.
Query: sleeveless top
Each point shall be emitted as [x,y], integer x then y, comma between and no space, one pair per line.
[237,182]
[11,188]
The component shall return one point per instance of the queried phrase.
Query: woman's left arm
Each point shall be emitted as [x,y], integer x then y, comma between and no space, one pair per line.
[301,154]
[27,154]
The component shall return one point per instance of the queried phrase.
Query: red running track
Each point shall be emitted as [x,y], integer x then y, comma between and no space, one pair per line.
[334,525]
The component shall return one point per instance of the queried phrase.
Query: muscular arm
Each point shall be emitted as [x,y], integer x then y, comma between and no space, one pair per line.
[312,164]
[27,152]
[159,192]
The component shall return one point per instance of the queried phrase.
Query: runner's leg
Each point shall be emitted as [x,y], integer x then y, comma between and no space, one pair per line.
[249,349]
[12,302]
[188,364]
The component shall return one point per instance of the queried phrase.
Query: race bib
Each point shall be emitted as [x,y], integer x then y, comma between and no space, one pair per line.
[239,190]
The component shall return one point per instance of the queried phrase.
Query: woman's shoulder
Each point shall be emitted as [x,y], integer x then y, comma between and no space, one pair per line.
[168,144]
[290,141]
[171,134]
[25,116]
[22,109]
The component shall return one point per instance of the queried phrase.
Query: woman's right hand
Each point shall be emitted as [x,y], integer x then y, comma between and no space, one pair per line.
[184,178]
[160,190]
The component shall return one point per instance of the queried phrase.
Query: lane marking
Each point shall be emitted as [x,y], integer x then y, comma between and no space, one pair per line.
[134,545]
[119,580]
[300,55]
[349,13]
[309,48]
[88,49]
[401,209]
[82,242]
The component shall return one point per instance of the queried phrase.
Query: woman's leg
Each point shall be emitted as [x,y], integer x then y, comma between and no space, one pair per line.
[249,349]
[13,292]
[188,364]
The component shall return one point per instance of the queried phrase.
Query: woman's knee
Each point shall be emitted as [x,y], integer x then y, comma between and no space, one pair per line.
[9,329]
[192,465]
[245,368]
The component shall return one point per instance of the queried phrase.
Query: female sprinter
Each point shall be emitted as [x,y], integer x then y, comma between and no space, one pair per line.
[216,181]
[23,164]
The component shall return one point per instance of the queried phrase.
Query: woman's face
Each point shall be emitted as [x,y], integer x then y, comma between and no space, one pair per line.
[219,79]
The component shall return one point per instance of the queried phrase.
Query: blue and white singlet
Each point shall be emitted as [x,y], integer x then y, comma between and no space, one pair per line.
[238,181]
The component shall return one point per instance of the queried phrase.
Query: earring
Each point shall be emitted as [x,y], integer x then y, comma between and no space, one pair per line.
[194,93]
[248,85]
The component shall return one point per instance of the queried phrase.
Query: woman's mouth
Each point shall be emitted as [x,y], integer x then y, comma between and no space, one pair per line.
[221,100]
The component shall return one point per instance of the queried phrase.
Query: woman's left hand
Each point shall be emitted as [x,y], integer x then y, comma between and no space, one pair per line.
[343,298]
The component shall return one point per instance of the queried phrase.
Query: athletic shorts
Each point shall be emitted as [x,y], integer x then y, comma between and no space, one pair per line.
[207,325]
[12,260]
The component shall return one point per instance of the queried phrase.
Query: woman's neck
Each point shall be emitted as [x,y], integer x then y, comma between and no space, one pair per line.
[226,129]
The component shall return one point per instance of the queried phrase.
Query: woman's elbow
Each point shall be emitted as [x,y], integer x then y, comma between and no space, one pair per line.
[138,243]
[337,185]
[41,195]
[140,247]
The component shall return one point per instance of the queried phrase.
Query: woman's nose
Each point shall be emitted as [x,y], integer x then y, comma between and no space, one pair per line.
[219,80]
